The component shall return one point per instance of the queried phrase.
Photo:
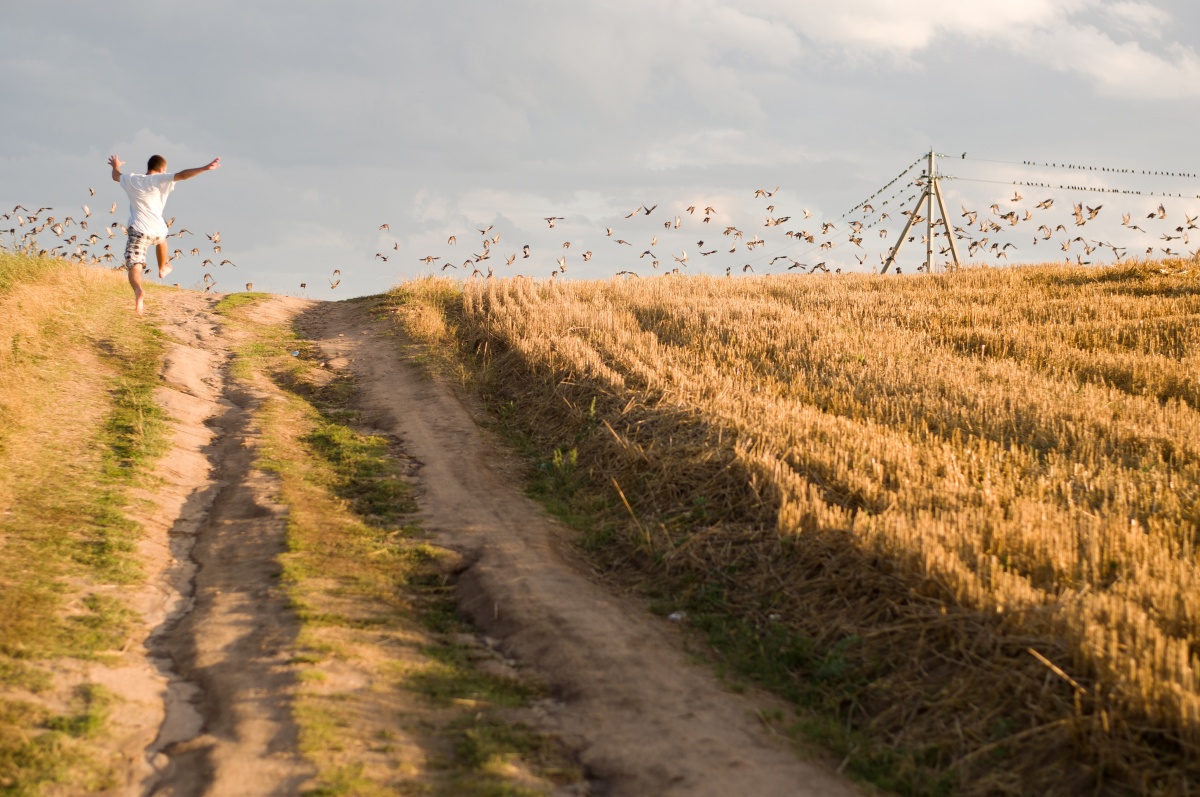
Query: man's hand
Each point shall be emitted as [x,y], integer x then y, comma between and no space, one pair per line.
[116,165]
[188,174]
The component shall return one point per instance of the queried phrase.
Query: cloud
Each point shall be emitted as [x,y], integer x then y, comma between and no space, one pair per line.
[1079,37]
[1120,70]
[1137,18]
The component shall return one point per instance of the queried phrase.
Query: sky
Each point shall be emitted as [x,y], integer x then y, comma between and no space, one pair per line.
[445,119]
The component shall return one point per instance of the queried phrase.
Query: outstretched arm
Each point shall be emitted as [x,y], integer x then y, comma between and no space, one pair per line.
[188,174]
[116,168]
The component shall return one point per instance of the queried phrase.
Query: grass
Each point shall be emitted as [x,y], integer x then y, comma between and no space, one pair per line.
[391,698]
[78,430]
[891,500]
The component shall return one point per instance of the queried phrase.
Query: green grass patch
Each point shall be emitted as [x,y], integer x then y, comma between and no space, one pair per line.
[235,301]
[487,750]
[39,749]
[92,703]
[450,675]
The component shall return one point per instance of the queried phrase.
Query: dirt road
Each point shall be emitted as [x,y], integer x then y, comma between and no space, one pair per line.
[641,716]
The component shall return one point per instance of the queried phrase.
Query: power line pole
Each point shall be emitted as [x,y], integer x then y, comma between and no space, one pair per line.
[933,190]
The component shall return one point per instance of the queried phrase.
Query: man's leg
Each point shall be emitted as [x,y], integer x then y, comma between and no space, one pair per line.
[164,259]
[135,279]
[135,261]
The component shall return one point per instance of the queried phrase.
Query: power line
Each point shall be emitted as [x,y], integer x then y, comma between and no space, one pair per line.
[1079,167]
[1092,189]
[886,187]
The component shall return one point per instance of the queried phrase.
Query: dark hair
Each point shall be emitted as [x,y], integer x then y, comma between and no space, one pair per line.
[155,163]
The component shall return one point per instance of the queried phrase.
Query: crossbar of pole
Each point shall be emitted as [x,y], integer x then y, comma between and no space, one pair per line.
[908,226]
[937,192]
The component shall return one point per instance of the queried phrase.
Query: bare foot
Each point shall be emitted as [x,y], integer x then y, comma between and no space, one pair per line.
[164,270]
[139,302]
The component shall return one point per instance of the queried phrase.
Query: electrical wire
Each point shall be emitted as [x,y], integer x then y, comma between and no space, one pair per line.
[1076,167]
[884,188]
[1092,189]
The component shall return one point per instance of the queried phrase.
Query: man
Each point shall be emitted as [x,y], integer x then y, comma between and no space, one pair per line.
[147,197]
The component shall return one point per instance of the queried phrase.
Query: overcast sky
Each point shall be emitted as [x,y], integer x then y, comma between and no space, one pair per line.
[442,119]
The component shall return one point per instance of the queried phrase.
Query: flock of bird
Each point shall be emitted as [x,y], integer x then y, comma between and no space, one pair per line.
[665,260]
[781,241]
[98,244]
[88,241]
[667,246]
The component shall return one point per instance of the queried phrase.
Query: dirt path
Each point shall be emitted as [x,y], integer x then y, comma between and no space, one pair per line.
[642,718]
[219,632]
[641,715]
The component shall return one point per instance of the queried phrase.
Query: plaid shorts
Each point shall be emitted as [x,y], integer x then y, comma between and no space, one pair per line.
[136,246]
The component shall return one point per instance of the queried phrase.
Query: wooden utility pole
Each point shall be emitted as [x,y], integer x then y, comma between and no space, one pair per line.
[932,191]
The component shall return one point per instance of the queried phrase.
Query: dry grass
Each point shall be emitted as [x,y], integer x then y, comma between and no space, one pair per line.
[956,513]
[77,428]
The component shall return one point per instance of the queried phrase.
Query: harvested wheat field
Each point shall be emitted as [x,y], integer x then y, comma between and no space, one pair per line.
[952,518]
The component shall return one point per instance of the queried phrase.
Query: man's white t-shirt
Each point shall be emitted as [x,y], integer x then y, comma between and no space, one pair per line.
[147,198]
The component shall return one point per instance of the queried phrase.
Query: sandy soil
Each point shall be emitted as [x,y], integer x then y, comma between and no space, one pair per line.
[209,694]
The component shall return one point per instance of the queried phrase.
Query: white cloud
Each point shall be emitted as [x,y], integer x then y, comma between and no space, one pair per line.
[1124,69]
[1137,18]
